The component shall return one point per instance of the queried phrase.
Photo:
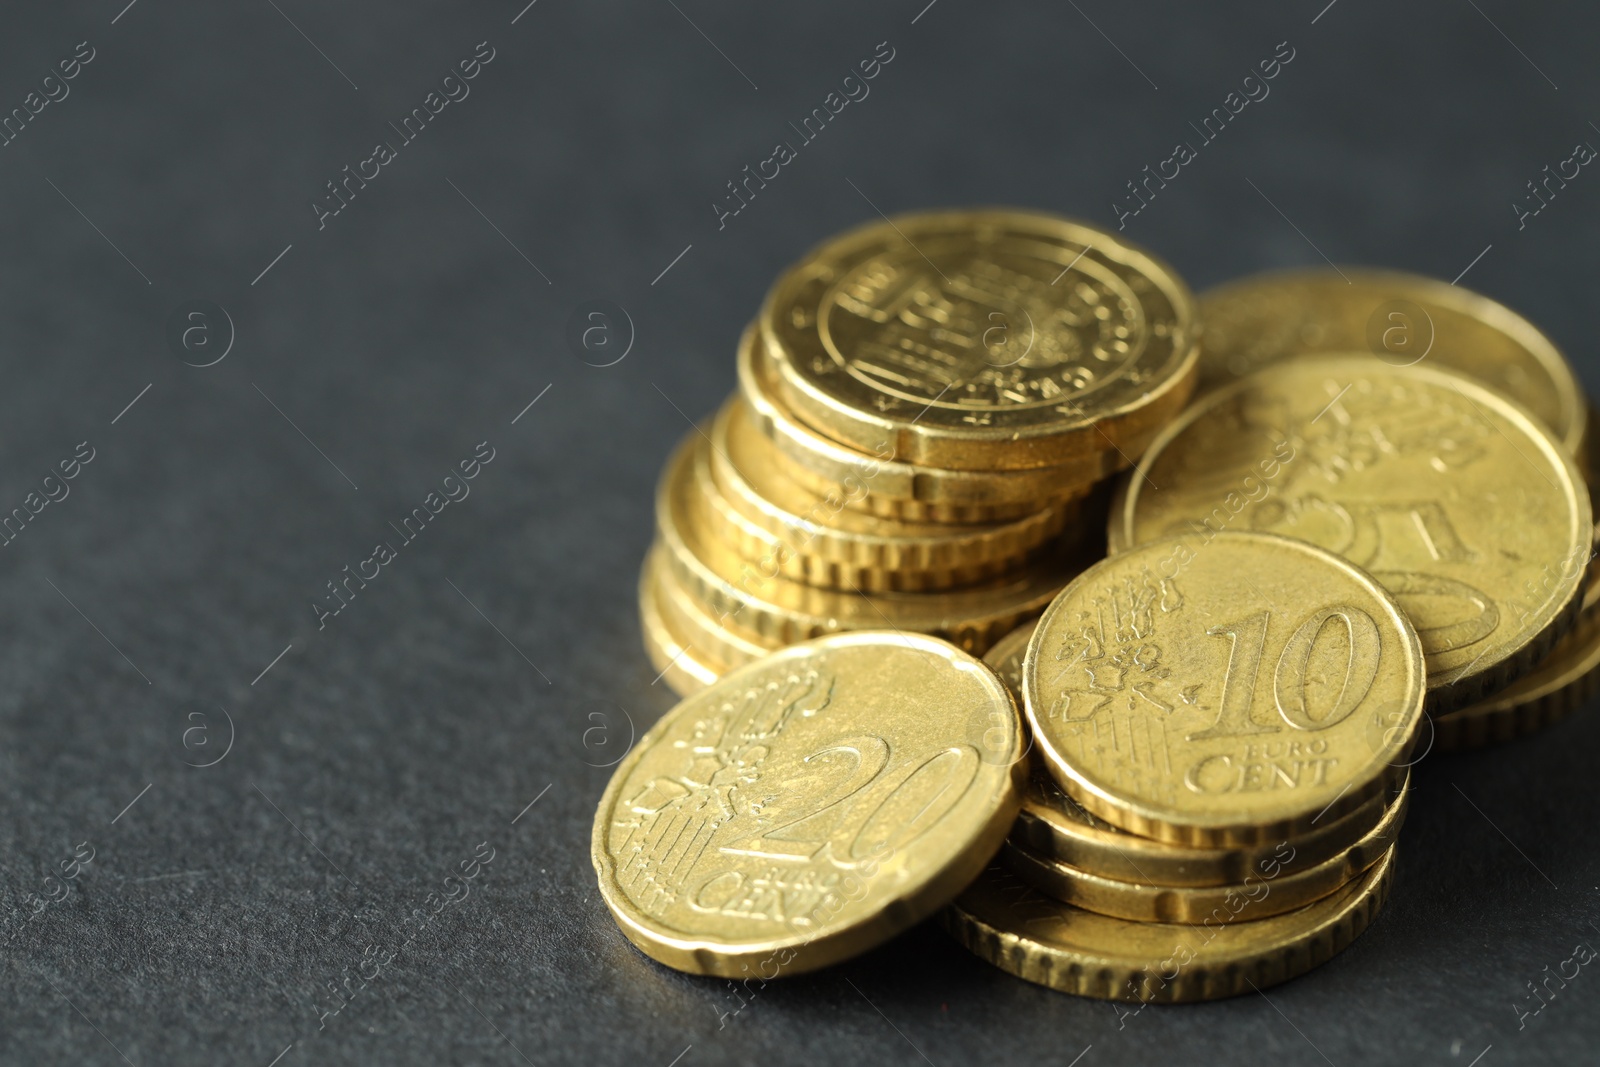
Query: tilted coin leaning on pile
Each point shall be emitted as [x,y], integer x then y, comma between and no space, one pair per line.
[1227,585]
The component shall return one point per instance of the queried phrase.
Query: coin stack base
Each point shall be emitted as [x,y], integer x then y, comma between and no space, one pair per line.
[1005,921]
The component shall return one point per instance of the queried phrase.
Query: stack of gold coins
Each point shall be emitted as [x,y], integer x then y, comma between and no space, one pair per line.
[925,406]
[1221,774]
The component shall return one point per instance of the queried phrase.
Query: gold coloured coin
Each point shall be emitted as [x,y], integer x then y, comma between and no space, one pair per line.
[822,541]
[981,340]
[1402,319]
[1567,679]
[1054,825]
[698,630]
[1006,657]
[1458,501]
[679,666]
[1272,889]
[1230,695]
[1023,932]
[752,597]
[809,806]
[876,483]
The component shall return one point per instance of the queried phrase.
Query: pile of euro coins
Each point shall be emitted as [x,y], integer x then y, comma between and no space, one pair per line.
[1233,566]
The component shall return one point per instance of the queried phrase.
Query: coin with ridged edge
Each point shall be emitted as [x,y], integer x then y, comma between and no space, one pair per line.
[776,610]
[1052,824]
[1566,680]
[678,665]
[810,806]
[1461,503]
[1270,888]
[981,339]
[1006,657]
[697,629]
[877,483]
[1399,318]
[1225,695]
[1023,932]
[822,541]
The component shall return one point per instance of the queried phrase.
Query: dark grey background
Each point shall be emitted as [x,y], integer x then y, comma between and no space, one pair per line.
[376,753]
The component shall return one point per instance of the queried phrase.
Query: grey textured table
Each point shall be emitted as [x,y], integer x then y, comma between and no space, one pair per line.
[168,602]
